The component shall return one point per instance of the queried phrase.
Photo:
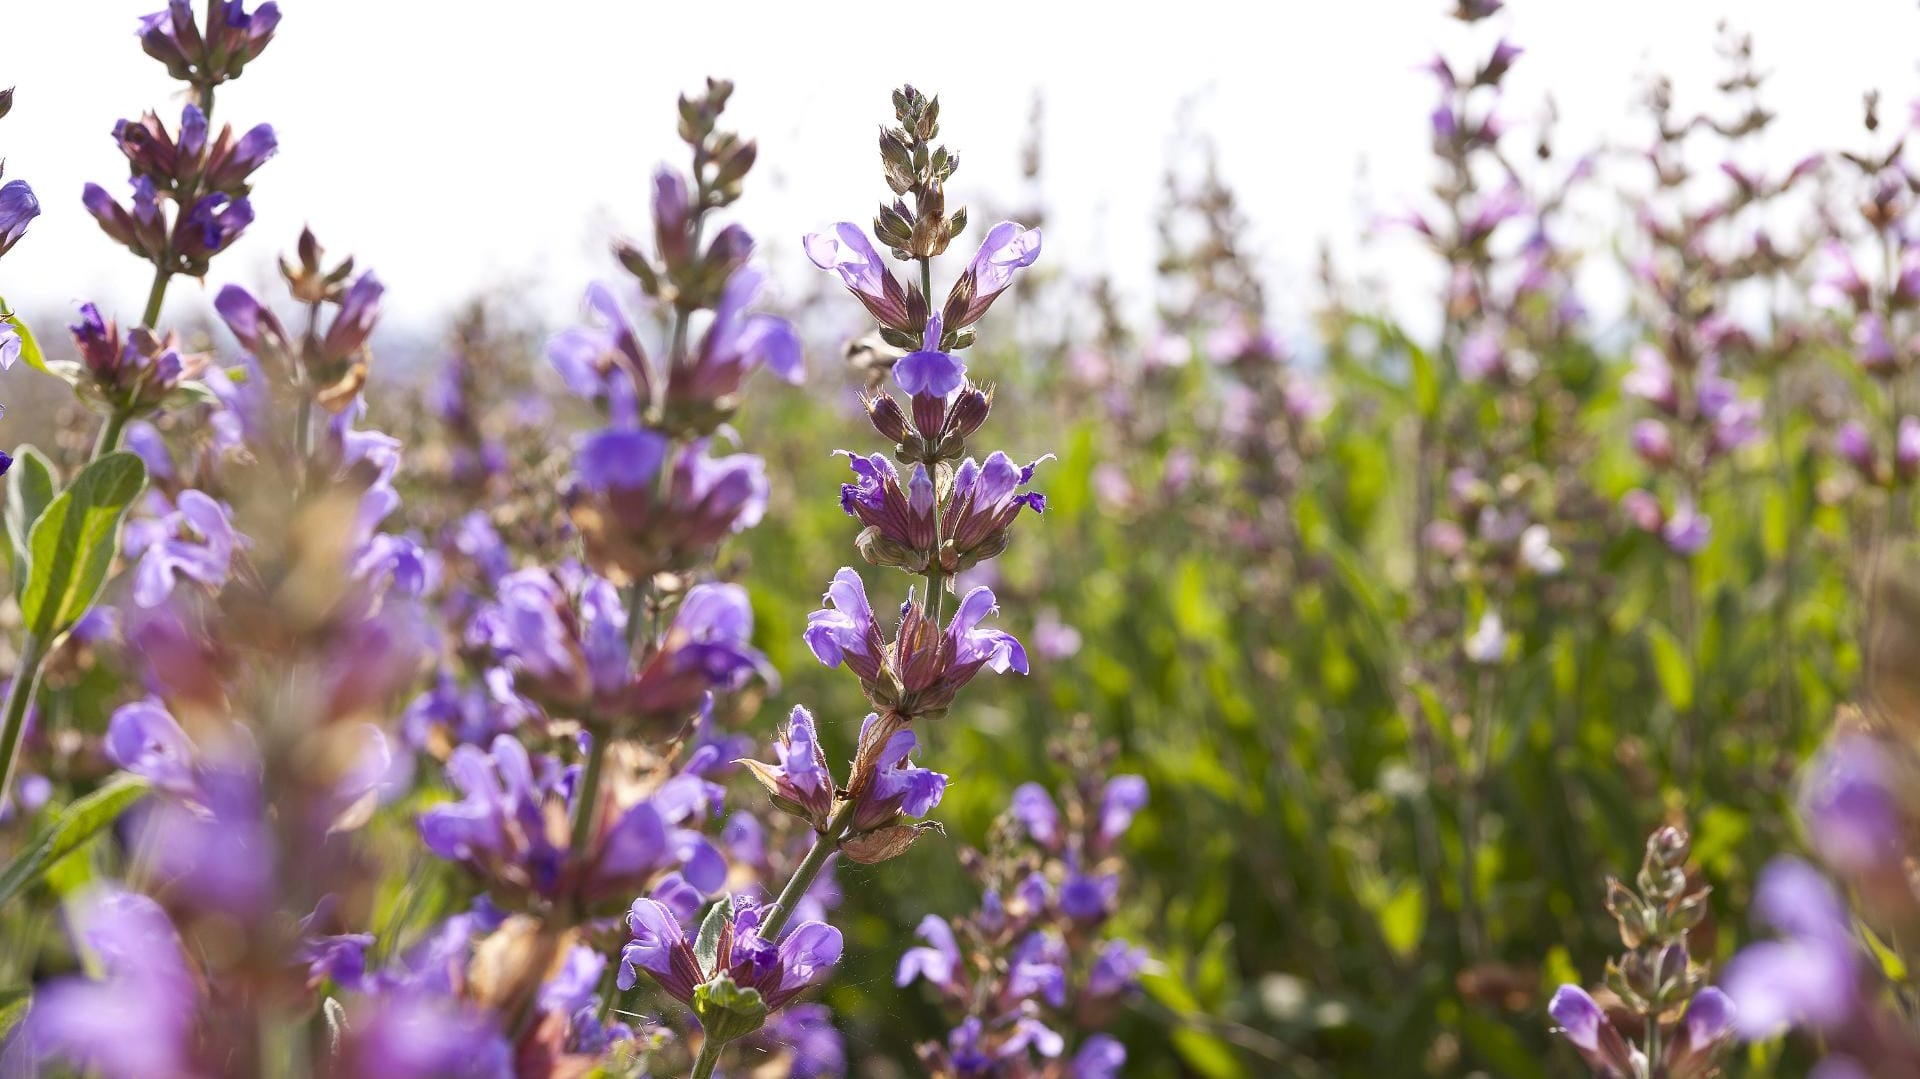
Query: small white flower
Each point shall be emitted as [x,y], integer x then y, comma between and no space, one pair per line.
[1537,551]
[1488,642]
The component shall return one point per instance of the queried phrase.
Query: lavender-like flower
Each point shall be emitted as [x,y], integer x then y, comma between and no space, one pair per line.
[748,977]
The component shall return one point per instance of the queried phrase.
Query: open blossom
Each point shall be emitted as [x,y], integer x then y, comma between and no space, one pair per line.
[18,208]
[634,525]
[982,506]
[923,668]
[568,646]
[1810,976]
[195,538]
[137,1019]
[801,959]
[847,252]
[898,787]
[735,343]
[802,783]
[1007,248]
[504,828]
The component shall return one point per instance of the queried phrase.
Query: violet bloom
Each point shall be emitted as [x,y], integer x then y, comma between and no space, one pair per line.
[604,361]
[1852,444]
[985,500]
[898,517]
[1007,249]
[1906,447]
[898,787]
[1099,1057]
[1123,797]
[138,1020]
[195,539]
[634,525]
[938,961]
[1089,897]
[131,374]
[1033,807]
[847,252]
[735,343]
[845,630]
[422,1036]
[1687,530]
[929,372]
[209,55]
[1580,1021]
[1037,969]
[1849,804]
[1810,976]
[1116,969]
[143,738]
[805,1033]
[803,958]
[1651,379]
[1653,442]
[933,668]
[801,783]
[18,208]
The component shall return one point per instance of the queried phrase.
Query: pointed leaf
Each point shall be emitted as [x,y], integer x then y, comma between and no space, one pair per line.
[75,824]
[30,487]
[74,542]
[706,947]
[30,350]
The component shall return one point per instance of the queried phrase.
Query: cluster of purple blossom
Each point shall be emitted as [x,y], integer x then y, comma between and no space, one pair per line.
[1033,957]
[18,208]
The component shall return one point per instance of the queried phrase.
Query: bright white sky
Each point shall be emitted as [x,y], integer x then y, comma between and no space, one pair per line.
[457,146]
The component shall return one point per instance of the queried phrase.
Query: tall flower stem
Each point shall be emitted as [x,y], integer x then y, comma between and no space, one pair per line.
[110,432]
[588,801]
[20,694]
[156,296]
[709,1058]
[824,844]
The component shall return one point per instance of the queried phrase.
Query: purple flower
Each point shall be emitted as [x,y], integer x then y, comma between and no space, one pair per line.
[144,739]
[735,343]
[420,1036]
[196,540]
[605,361]
[1033,807]
[1709,1018]
[1855,446]
[938,961]
[805,1032]
[577,982]
[847,252]
[1906,447]
[845,631]
[18,208]
[801,960]
[1116,969]
[1653,442]
[930,372]
[1810,976]
[1007,248]
[1100,1057]
[1123,797]
[1848,802]
[135,1022]
[1687,530]
[801,783]
[1651,379]
[252,322]
[1089,897]
[985,500]
[898,787]
[211,55]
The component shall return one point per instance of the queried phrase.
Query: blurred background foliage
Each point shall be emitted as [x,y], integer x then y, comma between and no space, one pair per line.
[1364,854]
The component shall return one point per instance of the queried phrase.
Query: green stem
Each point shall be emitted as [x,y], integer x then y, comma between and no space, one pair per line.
[110,432]
[155,297]
[709,1058]
[587,804]
[824,844]
[26,680]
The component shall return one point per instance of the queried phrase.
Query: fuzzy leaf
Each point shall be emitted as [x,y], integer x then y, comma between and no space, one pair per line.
[76,824]
[74,542]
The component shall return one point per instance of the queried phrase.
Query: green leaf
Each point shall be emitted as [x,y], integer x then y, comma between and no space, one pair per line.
[76,824]
[30,350]
[706,946]
[74,542]
[1403,919]
[14,1003]
[28,493]
[1671,666]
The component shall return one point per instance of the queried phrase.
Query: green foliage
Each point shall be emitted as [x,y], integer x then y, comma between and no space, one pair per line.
[68,831]
[74,540]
